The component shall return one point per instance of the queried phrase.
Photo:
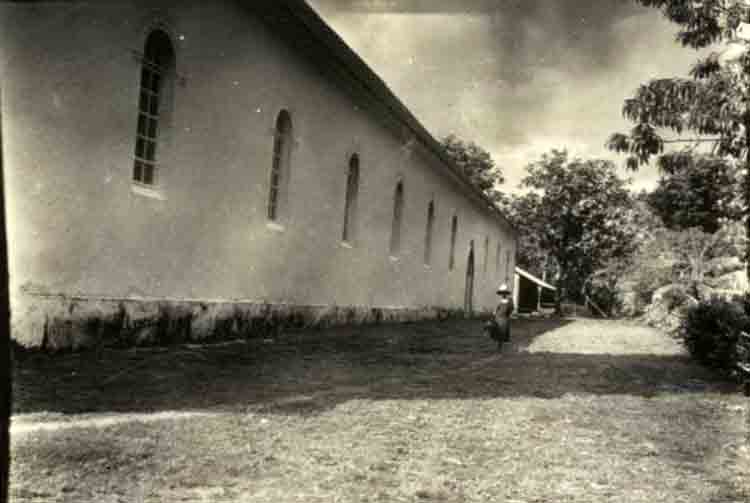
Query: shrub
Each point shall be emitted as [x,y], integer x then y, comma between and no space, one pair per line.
[674,298]
[744,301]
[710,330]
[606,298]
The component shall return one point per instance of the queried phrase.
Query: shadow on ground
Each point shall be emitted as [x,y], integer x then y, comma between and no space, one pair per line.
[310,372]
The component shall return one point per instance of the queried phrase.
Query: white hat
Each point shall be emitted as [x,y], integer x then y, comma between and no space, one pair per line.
[503,289]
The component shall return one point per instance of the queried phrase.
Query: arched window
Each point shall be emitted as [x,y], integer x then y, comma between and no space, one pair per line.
[157,73]
[454,232]
[428,233]
[282,153]
[398,208]
[498,258]
[486,252]
[350,208]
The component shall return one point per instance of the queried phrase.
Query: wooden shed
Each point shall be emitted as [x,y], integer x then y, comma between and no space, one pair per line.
[531,293]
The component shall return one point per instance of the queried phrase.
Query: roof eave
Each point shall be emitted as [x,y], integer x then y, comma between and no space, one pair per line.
[375,86]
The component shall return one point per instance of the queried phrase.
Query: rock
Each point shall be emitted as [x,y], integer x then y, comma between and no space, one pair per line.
[630,304]
[668,306]
[669,295]
[733,281]
[721,266]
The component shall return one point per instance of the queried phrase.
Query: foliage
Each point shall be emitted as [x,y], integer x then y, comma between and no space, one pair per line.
[582,214]
[603,290]
[711,106]
[477,164]
[676,257]
[521,210]
[684,257]
[744,301]
[691,250]
[710,331]
[647,270]
[695,191]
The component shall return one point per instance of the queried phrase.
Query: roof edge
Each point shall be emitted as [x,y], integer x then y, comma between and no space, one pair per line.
[375,86]
[533,278]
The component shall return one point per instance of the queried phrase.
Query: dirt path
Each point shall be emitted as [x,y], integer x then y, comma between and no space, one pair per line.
[573,411]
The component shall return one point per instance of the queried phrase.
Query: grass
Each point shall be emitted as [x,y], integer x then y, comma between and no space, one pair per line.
[585,411]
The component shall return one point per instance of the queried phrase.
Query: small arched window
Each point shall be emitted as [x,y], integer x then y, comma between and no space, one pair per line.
[428,233]
[157,73]
[454,232]
[398,208]
[352,192]
[282,154]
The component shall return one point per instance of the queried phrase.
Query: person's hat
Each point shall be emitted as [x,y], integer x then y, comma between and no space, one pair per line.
[503,289]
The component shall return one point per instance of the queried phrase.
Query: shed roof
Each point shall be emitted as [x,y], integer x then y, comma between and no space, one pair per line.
[305,31]
[534,279]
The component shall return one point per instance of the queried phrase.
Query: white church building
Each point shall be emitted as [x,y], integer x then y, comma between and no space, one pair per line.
[190,170]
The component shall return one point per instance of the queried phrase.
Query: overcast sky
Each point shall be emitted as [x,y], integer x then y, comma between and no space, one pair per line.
[518,77]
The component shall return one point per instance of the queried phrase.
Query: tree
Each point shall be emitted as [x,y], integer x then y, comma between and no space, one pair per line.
[583,215]
[713,105]
[679,256]
[522,211]
[477,164]
[701,192]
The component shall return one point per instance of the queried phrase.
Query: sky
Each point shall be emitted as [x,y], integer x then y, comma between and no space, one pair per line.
[518,77]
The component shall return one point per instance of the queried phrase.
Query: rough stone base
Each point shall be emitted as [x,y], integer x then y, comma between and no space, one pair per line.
[56,323]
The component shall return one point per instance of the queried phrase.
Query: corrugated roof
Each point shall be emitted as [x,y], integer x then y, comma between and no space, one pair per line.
[307,33]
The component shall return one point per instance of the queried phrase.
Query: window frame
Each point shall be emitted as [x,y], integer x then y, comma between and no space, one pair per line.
[349,233]
[280,165]
[429,231]
[397,222]
[155,81]
[454,237]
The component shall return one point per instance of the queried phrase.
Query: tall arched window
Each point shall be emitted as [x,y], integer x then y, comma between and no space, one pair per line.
[428,233]
[454,231]
[350,208]
[398,208]
[282,153]
[498,258]
[157,73]
[486,252]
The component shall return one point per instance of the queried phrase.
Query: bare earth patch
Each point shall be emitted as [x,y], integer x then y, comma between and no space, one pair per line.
[582,410]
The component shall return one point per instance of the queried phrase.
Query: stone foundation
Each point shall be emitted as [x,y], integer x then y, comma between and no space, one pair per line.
[57,323]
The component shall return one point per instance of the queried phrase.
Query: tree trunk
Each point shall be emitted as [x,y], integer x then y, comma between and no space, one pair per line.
[559,292]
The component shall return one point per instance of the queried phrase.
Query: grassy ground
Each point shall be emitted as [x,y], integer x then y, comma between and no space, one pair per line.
[572,411]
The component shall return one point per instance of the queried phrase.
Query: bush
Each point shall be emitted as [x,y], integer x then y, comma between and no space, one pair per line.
[606,298]
[710,330]
[744,301]
[674,298]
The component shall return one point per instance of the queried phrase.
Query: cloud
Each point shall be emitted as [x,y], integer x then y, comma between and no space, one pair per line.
[513,74]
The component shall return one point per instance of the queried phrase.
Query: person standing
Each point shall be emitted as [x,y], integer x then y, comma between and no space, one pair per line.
[503,313]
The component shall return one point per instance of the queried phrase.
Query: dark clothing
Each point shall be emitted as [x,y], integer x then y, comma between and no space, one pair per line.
[499,327]
[504,310]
